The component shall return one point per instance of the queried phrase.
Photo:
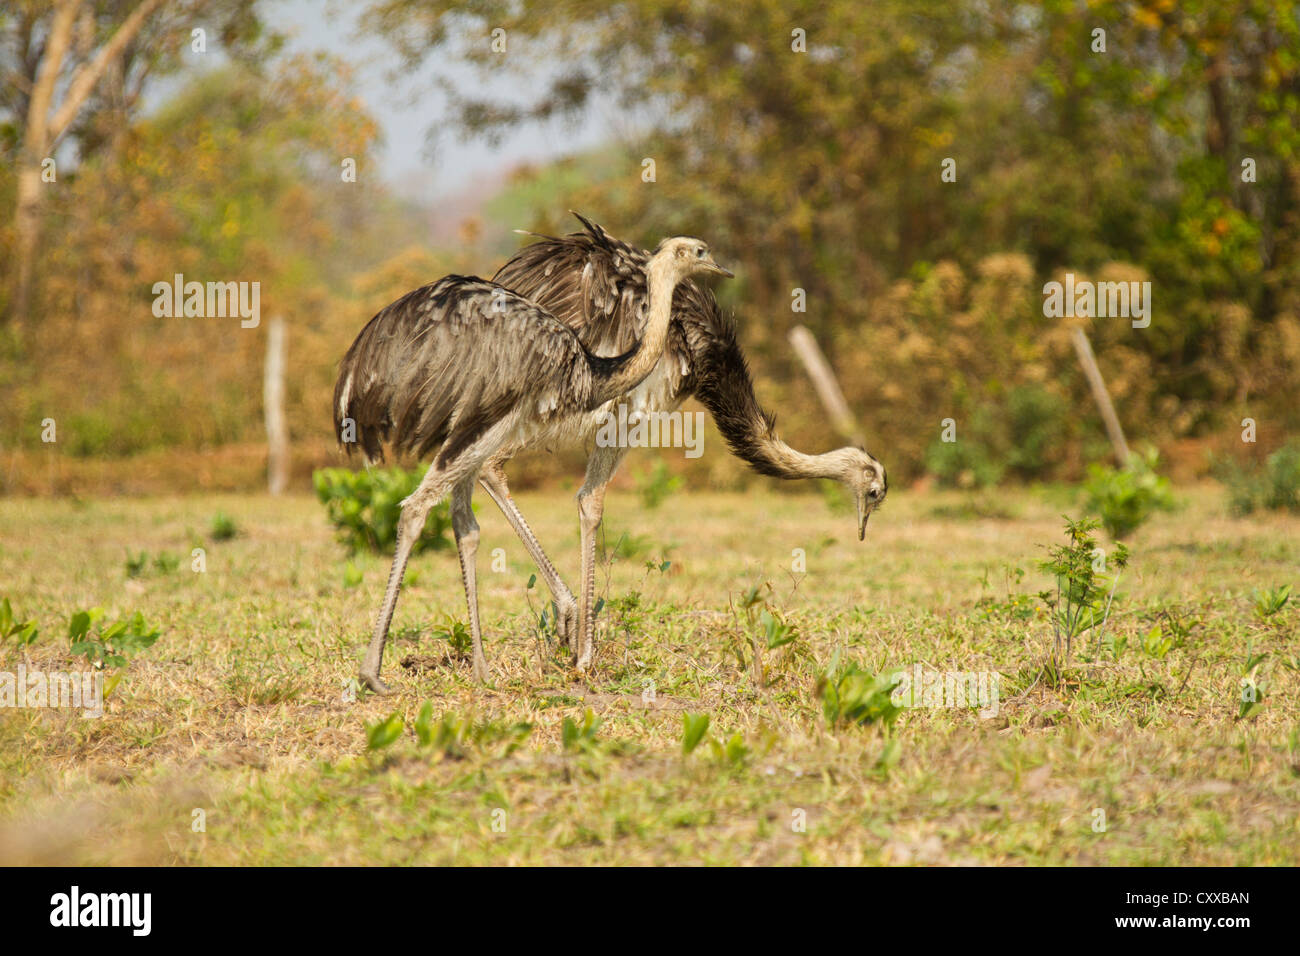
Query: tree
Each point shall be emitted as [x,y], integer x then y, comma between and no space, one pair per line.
[58,60]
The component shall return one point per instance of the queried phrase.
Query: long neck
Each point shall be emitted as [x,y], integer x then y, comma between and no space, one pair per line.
[618,376]
[725,388]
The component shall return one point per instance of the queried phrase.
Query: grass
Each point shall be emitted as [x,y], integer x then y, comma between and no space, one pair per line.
[239,737]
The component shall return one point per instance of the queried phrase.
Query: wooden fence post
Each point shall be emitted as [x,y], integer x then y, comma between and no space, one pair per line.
[1099,393]
[277,427]
[824,381]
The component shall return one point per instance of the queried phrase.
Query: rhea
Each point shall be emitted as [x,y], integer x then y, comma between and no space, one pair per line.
[467,371]
[595,284]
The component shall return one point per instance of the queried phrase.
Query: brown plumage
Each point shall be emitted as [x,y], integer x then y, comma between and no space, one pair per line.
[595,284]
[468,372]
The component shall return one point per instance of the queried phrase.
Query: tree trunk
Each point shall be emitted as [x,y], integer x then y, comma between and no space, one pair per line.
[27,220]
[42,132]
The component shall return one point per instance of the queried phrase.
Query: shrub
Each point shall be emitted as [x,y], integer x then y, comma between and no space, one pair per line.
[856,696]
[1084,588]
[1022,434]
[108,645]
[223,527]
[1274,487]
[364,507]
[1124,498]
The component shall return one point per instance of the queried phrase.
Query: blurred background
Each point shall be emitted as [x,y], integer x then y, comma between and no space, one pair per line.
[806,141]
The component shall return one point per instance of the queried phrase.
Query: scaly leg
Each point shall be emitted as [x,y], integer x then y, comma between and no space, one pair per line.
[591,509]
[414,510]
[466,529]
[493,480]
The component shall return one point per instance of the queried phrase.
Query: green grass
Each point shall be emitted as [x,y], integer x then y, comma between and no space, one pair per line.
[244,708]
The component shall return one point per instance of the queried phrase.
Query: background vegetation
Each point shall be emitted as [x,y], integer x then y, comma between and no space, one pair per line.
[817,170]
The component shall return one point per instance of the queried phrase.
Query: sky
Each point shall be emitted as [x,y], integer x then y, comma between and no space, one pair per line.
[407,107]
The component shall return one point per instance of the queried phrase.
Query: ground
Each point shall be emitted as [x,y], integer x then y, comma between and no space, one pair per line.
[235,739]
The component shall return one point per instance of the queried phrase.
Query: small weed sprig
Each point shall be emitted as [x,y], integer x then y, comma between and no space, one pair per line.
[24,633]
[1084,590]
[763,631]
[108,646]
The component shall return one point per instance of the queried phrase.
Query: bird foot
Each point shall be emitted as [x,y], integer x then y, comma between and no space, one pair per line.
[566,623]
[375,685]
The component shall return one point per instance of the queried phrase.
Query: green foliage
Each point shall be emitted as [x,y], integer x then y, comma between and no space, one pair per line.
[580,736]
[1020,434]
[108,646]
[657,484]
[694,727]
[1015,606]
[457,635]
[23,633]
[452,736]
[733,752]
[1084,588]
[137,565]
[1253,685]
[1156,643]
[763,631]
[1271,601]
[223,527]
[1274,487]
[852,695]
[384,733]
[364,507]
[1124,498]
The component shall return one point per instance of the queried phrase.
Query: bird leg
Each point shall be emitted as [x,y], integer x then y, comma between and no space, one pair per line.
[591,508]
[414,510]
[493,480]
[466,530]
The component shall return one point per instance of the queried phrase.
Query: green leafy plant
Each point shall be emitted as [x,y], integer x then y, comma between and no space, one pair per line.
[23,633]
[136,564]
[580,736]
[456,634]
[451,737]
[385,732]
[223,527]
[657,484]
[1253,685]
[1015,606]
[108,646]
[1084,588]
[762,632]
[364,507]
[694,727]
[1124,498]
[1156,643]
[1017,433]
[734,751]
[1273,487]
[1271,601]
[852,695]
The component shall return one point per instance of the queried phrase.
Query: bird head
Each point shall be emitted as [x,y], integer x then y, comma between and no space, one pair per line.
[687,256]
[864,476]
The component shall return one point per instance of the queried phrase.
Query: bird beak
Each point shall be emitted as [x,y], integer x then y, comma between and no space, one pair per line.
[714,267]
[864,512]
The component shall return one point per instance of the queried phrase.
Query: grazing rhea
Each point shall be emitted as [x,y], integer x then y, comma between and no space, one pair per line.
[467,371]
[596,285]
